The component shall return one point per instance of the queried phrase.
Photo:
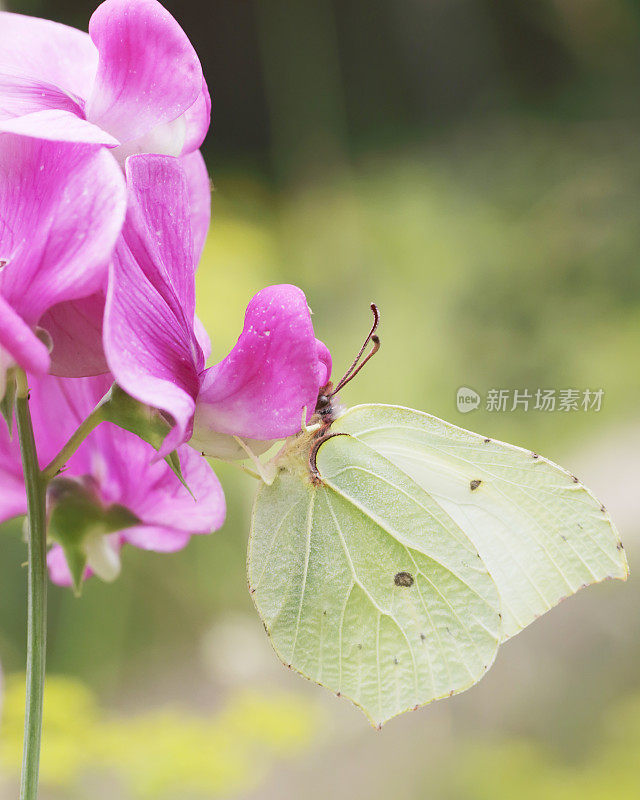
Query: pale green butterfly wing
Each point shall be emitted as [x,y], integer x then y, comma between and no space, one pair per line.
[541,534]
[365,585]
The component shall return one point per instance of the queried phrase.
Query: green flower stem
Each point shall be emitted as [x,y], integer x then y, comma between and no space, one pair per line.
[35,486]
[98,415]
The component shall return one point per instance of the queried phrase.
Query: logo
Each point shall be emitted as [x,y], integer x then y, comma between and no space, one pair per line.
[467,399]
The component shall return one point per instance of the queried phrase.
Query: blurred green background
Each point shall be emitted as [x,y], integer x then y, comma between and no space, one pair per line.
[473,166]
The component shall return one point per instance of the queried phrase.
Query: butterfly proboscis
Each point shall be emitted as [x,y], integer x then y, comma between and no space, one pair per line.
[325,408]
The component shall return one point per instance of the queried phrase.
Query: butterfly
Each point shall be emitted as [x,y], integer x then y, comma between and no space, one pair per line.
[392,552]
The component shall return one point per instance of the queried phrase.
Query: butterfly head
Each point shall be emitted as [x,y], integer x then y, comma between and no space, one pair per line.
[328,407]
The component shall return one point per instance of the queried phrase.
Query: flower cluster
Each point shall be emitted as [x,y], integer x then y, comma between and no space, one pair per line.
[104,210]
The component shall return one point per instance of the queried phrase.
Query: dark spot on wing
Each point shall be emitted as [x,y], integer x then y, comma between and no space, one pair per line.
[486,441]
[534,455]
[474,484]
[423,637]
[395,661]
[403,579]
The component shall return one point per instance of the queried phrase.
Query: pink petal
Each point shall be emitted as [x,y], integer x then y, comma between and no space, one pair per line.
[121,469]
[156,538]
[180,136]
[59,572]
[167,504]
[202,337]
[324,363]
[58,406]
[149,339]
[13,500]
[21,94]
[165,139]
[47,51]
[57,125]
[58,225]
[158,228]
[197,119]
[120,466]
[58,569]
[127,472]
[199,190]
[148,350]
[17,338]
[75,328]
[148,72]
[275,370]
[124,471]
[45,71]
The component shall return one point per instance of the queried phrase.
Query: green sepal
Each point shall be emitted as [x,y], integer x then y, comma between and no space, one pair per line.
[148,423]
[8,401]
[75,515]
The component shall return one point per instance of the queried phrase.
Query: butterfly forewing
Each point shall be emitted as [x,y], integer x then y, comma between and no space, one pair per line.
[541,534]
[366,585]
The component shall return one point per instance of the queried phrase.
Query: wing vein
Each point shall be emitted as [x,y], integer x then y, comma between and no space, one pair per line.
[305,573]
[371,600]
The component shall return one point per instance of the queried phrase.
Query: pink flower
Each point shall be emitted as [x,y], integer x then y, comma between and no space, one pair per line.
[62,206]
[133,84]
[116,470]
[156,350]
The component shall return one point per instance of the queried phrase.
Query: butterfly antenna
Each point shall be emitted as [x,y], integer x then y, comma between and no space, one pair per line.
[355,368]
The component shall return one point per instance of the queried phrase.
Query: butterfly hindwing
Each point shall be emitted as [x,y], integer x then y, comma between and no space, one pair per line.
[366,586]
